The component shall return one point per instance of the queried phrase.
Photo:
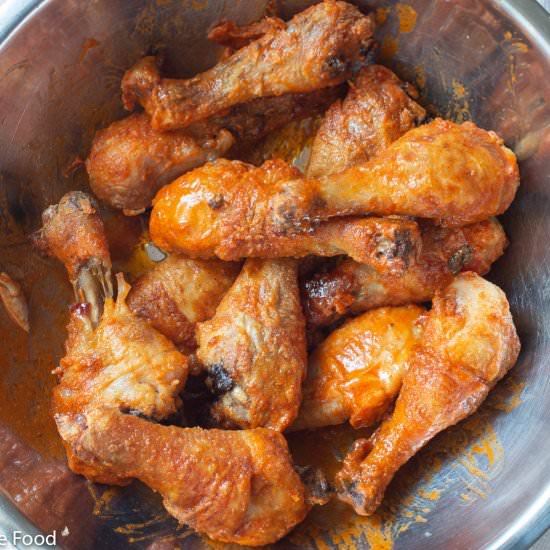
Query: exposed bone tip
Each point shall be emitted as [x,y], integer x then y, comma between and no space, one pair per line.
[14,301]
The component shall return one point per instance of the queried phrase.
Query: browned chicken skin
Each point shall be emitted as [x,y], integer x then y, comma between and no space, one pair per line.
[180,292]
[113,359]
[129,161]
[122,363]
[247,491]
[250,122]
[73,232]
[352,287]
[384,244]
[469,343]
[254,347]
[234,37]
[214,229]
[454,174]
[378,109]
[235,486]
[356,373]
[318,48]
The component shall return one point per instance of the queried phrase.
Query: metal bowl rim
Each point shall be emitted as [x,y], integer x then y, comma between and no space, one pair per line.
[533,20]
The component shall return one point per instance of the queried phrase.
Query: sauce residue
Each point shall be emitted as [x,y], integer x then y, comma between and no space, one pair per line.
[407,17]
[87,45]
[291,143]
[136,515]
[381,15]
[420,79]
[459,105]
[28,359]
[389,47]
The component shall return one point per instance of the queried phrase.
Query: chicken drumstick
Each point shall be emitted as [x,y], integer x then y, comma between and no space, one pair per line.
[468,345]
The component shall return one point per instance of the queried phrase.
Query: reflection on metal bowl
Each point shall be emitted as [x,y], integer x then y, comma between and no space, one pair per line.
[482,484]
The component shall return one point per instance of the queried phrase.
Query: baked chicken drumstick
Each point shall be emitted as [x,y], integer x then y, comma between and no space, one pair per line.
[378,109]
[73,232]
[233,486]
[320,47]
[353,288]
[454,174]
[129,161]
[356,373]
[254,348]
[468,345]
[216,211]
[180,292]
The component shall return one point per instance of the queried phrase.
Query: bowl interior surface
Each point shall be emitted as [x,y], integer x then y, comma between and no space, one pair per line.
[482,484]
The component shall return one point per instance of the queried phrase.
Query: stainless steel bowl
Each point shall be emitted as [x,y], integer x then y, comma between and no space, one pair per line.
[483,484]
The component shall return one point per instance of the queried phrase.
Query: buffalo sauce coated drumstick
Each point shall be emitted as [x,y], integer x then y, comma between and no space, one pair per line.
[356,373]
[236,486]
[129,161]
[233,210]
[254,347]
[352,287]
[73,232]
[468,344]
[377,110]
[454,174]
[320,47]
[233,486]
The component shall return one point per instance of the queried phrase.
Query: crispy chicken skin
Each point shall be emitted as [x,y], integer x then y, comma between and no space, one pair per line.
[318,48]
[356,373]
[180,292]
[124,364]
[129,161]
[378,109]
[352,287]
[234,37]
[254,348]
[248,122]
[454,174]
[235,486]
[469,343]
[73,232]
[247,491]
[116,355]
[223,210]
